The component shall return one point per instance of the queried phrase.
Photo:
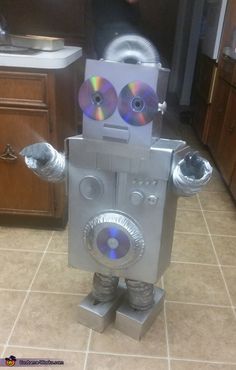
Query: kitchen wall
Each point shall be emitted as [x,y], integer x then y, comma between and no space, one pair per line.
[70,19]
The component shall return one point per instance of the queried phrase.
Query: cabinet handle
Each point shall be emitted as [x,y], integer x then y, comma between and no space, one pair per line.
[8,154]
[232,126]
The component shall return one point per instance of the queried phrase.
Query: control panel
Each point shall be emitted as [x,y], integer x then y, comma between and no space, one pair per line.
[144,191]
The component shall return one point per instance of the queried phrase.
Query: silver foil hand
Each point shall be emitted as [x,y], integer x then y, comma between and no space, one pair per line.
[45,161]
[191,174]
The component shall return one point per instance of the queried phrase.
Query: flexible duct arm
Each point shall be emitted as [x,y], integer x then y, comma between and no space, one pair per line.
[191,174]
[45,161]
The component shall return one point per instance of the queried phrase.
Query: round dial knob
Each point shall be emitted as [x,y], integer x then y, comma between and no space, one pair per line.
[152,200]
[136,198]
[91,188]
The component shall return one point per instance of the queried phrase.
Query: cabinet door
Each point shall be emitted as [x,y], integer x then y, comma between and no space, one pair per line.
[217,116]
[233,183]
[227,146]
[21,191]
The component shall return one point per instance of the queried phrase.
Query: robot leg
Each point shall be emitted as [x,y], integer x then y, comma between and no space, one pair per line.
[104,287]
[140,294]
[97,310]
[141,307]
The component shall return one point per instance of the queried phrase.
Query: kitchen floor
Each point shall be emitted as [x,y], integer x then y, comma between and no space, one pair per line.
[196,330]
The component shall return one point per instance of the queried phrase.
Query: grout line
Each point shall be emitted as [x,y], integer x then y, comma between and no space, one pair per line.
[203,264]
[196,263]
[204,210]
[22,250]
[60,293]
[203,361]
[166,328]
[204,234]
[87,349]
[31,251]
[199,304]
[54,252]
[128,355]
[217,258]
[190,233]
[26,295]
[47,349]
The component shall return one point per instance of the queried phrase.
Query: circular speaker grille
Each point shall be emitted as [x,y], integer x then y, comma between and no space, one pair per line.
[91,188]
[114,240]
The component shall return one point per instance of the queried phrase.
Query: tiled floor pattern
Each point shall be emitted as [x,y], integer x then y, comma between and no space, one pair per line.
[39,295]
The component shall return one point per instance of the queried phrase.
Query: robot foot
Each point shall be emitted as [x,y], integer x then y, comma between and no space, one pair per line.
[98,315]
[136,323]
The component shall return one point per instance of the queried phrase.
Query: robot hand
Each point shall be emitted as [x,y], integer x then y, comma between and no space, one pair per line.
[191,174]
[45,161]
[37,155]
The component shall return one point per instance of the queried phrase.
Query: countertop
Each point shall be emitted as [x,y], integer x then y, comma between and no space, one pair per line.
[42,59]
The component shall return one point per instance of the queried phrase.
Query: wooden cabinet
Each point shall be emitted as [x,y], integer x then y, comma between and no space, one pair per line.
[35,105]
[204,83]
[233,183]
[218,111]
[226,157]
[222,131]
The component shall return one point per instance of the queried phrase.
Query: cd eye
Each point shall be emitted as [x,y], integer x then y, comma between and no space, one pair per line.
[138,103]
[97,98]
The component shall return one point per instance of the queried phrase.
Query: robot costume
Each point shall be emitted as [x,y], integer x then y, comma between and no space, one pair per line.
[123,185]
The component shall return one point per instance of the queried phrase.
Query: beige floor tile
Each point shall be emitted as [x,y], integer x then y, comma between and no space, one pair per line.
[193,248]
[195,284]
[225,249]
[106,362]
[50,320]
[59,242]
[221,223]
[190,221]
[201,332]
[10,303]
[30,239]
[216,201]
[187,365]
[56,276]
[230,277]
[113,341]
[72,360]
[188,203]
[216,183]
[17,269]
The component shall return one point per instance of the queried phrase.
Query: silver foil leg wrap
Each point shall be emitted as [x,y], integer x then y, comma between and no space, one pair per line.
[104,287]
[189,185]
[140,294]
[53,170]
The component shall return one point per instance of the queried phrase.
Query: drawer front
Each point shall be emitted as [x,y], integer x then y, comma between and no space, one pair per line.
[227,70]
[22,192]
[23,89]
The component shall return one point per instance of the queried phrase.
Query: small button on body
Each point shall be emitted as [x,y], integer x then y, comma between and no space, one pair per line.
[152,200]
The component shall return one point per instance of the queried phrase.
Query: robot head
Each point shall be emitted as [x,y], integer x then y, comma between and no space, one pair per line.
[121,100]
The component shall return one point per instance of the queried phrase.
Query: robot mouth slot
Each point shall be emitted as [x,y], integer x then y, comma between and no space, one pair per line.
[116,139]
[116,133]
[116,127]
